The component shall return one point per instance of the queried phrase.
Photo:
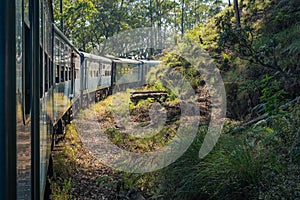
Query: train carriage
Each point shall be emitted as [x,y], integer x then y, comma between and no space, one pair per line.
[147,66]
[127,73]
[96,78]
[66,68]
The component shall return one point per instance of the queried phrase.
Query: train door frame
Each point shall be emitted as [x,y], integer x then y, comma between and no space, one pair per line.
[8,100]
[34,11]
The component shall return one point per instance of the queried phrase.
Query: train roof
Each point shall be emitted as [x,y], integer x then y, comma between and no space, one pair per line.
[95,57]
[151,61]
[126,60]
[122,60]
[62,36]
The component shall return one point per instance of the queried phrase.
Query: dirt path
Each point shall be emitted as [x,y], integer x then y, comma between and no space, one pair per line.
[88,178]
[79,175]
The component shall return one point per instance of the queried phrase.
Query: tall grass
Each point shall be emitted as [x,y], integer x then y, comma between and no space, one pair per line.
[261,162]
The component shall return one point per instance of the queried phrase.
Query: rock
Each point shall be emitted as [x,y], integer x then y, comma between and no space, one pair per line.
[133,194]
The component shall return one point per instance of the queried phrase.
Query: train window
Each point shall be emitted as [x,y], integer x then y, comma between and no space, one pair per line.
[56,49]
[51,73]
[56,61]
[46,73]
[67,51]
[62,47]
[85,74]
[27,73]
[69,73]
[56,42]
[57,74]
[26,12]
[41,73]
[61,54]
[41,22]
[56,53]
[66,73]
[62,74]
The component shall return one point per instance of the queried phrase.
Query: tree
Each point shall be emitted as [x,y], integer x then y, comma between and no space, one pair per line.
[88,23]
[182,18]
[76,17]
[237,13]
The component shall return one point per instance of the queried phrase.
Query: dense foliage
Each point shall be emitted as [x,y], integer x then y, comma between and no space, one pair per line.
[259,59]
[90,22]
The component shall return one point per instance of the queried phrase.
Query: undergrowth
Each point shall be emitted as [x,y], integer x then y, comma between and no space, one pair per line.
[63,165]
[115,113]
[261,162]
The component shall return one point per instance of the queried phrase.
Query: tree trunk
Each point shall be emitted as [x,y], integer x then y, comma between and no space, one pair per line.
[159,26]
[175,17]
[61,16]
[120,16]
[182,18]
[151,35]
[237,13]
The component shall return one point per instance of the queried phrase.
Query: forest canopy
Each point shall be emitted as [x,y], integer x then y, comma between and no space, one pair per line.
[88,23]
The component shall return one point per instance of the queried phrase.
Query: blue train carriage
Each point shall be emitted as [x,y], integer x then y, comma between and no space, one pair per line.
[67,70]
[127,73]
[26,86]
[147,66]
[96,78]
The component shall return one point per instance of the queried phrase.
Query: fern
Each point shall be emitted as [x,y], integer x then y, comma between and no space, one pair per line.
[293,49]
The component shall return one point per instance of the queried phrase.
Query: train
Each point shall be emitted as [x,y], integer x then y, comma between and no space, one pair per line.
[44,81]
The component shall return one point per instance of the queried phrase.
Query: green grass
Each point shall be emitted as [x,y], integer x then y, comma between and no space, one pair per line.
[64,163]
[62,191]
